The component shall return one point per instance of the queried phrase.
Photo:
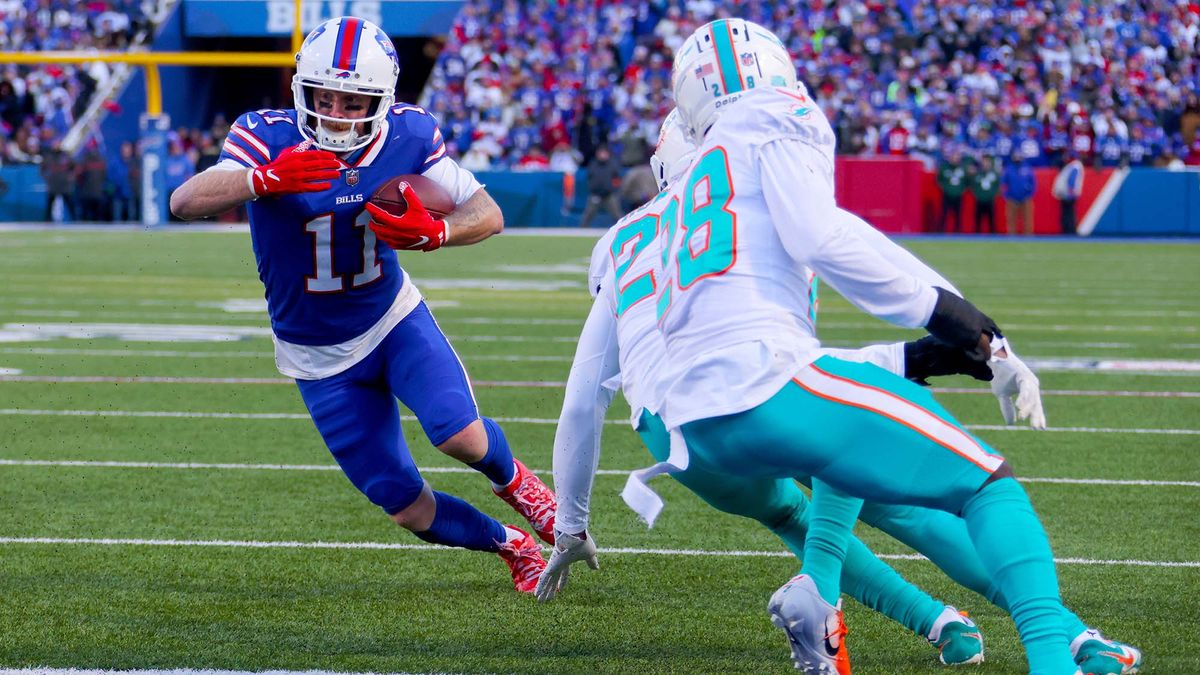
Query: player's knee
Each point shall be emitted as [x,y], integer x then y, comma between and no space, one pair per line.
[468,445]
[402,500]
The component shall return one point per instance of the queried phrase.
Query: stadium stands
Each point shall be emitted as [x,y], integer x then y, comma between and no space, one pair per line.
[1113,82]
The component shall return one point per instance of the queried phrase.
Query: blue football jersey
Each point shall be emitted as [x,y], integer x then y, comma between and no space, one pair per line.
[327,279]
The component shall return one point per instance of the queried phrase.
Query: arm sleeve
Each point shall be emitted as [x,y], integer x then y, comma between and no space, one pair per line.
[900,256]
[577,440]
[804,212]
[889,357]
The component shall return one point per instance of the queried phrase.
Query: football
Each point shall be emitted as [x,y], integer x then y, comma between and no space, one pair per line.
[434,197]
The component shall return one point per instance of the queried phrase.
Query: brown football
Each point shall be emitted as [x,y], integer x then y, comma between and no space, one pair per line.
[434,197]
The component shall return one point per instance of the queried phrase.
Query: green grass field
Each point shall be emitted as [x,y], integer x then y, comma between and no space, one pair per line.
[222,603]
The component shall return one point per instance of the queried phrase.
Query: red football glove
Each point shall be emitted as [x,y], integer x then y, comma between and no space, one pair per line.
[296,169]
[415,230]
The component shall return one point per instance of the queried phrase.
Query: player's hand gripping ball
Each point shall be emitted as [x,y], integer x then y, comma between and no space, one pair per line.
[407,213]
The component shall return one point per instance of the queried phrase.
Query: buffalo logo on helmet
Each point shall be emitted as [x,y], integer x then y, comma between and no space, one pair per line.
[342,75]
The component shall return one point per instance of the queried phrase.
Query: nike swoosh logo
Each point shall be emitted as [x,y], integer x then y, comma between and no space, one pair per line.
[250,123]
[1122,658]
[424,240]
[271,175]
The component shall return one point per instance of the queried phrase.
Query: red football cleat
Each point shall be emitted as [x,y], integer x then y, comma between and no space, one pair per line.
[524,557]
[530,497]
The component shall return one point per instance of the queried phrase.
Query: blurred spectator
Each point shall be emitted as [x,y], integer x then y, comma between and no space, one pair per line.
[178,166]
[952,179]
[92,176]
[604,179]
[1068,186]
[985,185]
[58,170]
[119,171]
[637,187]
[1019,183]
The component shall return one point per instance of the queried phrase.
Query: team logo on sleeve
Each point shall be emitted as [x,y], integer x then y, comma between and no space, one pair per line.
[351,176]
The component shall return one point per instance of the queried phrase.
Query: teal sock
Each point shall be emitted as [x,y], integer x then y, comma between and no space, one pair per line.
[1014,549]
[875,584]
[829,531]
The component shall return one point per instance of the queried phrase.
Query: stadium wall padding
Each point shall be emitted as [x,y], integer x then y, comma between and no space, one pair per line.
[1153,202]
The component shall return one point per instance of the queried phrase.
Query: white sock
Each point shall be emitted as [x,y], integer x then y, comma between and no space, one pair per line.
[513,534]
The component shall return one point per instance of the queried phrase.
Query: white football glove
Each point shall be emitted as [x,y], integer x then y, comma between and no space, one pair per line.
[1017,388]
[568,549]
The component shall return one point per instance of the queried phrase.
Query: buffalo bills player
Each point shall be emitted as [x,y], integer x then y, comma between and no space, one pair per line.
[348,323]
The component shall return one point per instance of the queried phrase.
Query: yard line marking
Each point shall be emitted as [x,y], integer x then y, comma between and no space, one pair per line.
[168,353]
[394,546]
[183,414]
[517,384]
[228,466]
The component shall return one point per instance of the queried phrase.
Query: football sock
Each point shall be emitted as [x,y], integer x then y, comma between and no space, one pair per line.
[497,464]
[1014,549]
[457,523]
[829,531]
[875,584]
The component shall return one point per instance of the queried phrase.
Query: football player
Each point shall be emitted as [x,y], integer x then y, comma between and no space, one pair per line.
[620,343]
[349,324]
[750,392]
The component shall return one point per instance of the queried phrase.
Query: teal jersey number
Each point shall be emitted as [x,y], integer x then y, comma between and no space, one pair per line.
[705,202]
[705,209]
[638,234]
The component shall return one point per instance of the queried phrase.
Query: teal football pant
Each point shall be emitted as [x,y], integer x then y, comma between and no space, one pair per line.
[780,505]
[870,434]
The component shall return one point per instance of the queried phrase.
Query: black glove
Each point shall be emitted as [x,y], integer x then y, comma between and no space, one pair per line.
[930,357]
[961,324]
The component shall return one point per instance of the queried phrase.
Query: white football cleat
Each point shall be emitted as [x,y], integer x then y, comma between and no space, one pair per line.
[814,627]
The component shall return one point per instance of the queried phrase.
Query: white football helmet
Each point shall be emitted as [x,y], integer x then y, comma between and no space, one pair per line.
[673,152]
[350,55]
[718,62]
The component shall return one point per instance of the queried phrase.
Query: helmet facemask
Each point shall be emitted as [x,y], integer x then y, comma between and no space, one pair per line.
[322,127]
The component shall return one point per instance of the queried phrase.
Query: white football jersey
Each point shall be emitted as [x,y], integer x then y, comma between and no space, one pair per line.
[755,208]
[625,270]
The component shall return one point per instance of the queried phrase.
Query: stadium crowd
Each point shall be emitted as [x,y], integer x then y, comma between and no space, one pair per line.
[544,84]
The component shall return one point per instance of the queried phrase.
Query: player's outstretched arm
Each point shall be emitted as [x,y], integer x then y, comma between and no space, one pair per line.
[577,445]
[209,193]
[296,169]
[474,220]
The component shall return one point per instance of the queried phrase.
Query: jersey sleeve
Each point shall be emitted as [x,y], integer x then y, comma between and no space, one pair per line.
[436,165]
[600,266]
[809,224]
[581,422]
[246,146]
[900,256]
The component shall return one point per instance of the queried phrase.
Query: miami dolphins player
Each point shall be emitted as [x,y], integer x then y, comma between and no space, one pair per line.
[751,393]
[620,341]
[349,324]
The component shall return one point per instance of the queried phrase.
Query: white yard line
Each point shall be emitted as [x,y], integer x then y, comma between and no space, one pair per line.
[184,414]
[394,546]
[514,384]
[227,466]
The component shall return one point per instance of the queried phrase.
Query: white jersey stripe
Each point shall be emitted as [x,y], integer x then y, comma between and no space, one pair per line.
[842,390]
[249,138]
[234,150]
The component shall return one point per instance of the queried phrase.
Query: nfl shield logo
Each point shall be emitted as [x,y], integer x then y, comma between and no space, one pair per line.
[351,177]
[748,59]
